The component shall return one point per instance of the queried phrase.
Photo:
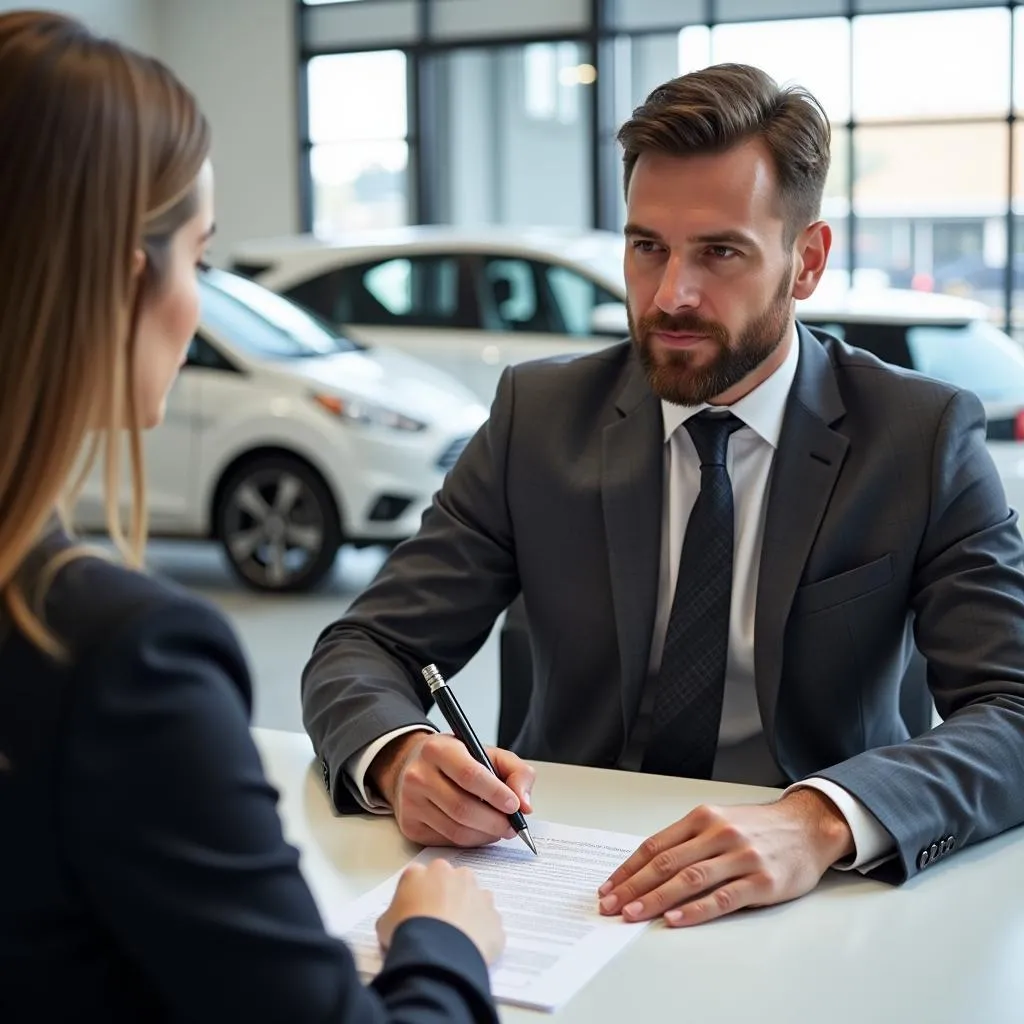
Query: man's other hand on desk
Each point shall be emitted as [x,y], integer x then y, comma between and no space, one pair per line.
[720,859]
[442,797]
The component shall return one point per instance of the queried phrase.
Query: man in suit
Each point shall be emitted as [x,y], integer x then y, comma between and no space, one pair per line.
[727,531]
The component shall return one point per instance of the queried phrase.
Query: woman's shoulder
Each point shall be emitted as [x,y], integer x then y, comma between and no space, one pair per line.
[136,646]
[95,603]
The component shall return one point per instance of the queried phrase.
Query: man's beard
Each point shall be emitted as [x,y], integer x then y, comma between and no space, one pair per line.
[671,373]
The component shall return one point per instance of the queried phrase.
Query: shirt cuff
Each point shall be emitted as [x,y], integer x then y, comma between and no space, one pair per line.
[359,763]
[872,844]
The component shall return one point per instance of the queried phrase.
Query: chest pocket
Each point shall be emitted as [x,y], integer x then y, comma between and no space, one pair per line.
[844,587]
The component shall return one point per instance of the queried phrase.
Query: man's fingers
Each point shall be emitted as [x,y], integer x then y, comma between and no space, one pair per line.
[518,775]
[417,831]
[454,760]
[750,891]
[686,865]
[656,846]
[447,798]
[438,829]
[655,899]
[466,811]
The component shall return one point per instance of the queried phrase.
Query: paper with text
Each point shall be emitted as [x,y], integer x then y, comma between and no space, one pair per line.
[557,940]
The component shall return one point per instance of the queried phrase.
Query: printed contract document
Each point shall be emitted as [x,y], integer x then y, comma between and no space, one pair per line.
[557,940]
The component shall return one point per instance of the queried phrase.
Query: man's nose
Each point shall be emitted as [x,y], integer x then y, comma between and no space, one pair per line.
[678,289]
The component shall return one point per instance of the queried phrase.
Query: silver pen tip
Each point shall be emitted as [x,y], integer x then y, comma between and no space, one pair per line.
[528,839]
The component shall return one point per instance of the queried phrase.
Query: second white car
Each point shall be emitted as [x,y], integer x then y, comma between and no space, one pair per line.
[475,301]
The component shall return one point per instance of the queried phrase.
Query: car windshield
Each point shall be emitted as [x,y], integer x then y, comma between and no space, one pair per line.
[264,324]
[976,356]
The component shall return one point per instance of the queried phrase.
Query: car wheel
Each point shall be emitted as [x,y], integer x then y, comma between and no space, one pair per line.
[278,524]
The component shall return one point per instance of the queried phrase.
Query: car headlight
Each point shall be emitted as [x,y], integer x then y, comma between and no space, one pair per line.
[368,414]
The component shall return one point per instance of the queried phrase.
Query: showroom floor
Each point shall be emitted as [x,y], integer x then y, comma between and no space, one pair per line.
[279,632]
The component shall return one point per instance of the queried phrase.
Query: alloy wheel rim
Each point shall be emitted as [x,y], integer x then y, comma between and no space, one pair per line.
[274,527]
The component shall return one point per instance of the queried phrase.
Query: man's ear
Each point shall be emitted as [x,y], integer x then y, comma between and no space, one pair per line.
[813,247]
[138,263]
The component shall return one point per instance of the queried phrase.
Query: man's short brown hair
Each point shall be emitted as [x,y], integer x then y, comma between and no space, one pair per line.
[717,108]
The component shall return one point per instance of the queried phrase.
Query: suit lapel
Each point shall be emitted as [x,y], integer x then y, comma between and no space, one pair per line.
[632,471]
[807,464]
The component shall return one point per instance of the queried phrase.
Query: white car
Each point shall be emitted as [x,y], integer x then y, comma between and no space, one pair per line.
[476,301]
[283,440]
[470,302]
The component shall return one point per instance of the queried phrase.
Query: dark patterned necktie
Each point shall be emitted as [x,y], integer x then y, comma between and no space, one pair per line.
[687,708]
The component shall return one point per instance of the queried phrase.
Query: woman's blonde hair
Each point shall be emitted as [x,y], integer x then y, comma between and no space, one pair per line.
[101,148]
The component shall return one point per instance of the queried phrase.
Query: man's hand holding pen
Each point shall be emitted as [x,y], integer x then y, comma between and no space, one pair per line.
[441,796]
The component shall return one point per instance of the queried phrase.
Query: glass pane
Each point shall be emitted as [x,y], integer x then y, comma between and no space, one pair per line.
[746,10]
[927,230]
[359,185]
[512,297]
[576,297]
[465,19]
[339,85]
[262,323]
[1017,308]
[642,63]
[835,208]
[1018,58]
[836,200]
[939,75]
[368,24]
[424,291]
[514,117]
[694,48]
[906,5]
[611,157]
[634,14]
[552,75]
[812,52]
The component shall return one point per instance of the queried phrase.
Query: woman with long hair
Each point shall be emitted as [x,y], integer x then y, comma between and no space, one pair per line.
[143,871]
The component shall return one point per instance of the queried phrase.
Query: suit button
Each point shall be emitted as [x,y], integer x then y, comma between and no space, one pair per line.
[923,860]
[943,848]
[934,851]
[950,843]
[326,773]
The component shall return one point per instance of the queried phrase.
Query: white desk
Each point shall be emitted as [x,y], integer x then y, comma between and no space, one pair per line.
[946,948]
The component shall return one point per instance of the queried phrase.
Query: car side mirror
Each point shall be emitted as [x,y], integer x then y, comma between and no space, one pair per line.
[610,319]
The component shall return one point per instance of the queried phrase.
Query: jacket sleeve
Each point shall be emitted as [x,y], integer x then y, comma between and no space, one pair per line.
[435,601]
[171,831]
[964,780]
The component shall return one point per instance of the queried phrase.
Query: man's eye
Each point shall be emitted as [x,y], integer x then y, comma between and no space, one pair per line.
[722,252]
[644,245]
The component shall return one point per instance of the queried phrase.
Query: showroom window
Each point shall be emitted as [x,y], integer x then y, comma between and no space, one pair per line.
[514,108]
[932,151]
[359,146]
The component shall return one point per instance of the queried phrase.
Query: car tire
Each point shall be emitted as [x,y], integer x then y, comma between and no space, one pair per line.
[277,523]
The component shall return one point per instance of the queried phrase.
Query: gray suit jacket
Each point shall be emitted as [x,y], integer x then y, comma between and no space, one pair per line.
[886,519]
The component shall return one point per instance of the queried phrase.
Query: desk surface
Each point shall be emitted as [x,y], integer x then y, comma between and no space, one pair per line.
[947,947]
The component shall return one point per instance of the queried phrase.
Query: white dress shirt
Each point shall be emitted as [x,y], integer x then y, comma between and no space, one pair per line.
[749,460]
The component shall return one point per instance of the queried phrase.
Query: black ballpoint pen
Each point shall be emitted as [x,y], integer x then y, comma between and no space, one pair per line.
[456,718]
